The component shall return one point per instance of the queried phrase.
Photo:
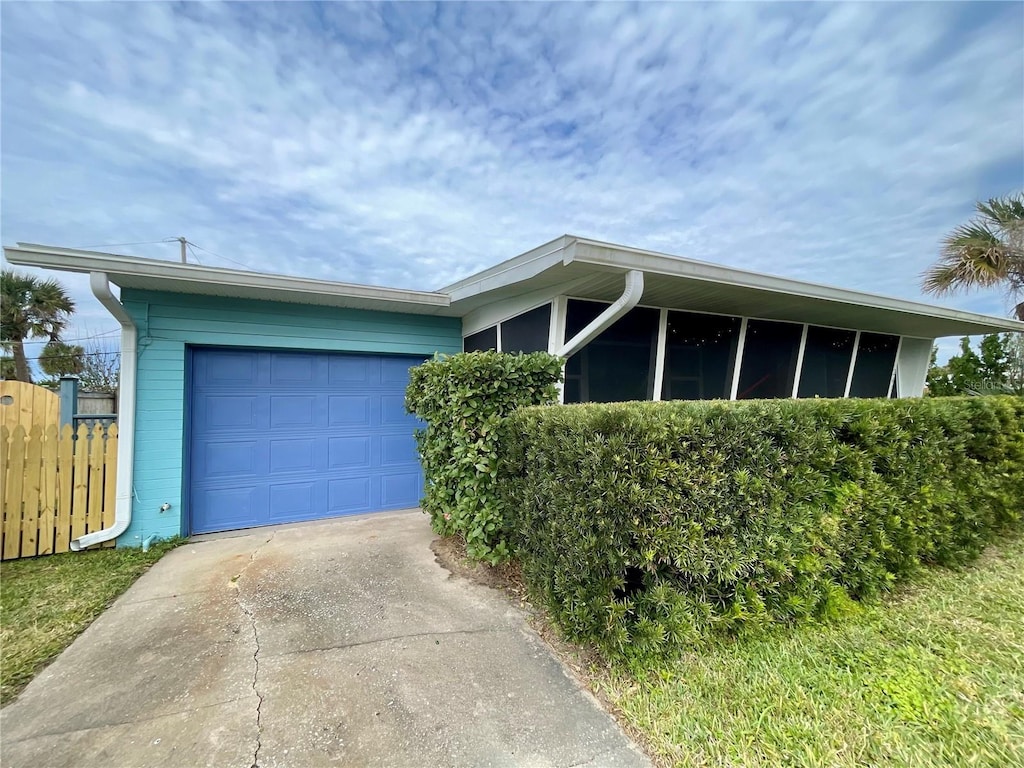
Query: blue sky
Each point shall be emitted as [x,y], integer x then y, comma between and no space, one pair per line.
[410,145]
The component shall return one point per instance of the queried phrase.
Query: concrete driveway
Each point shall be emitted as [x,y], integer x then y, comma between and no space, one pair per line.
[341,643]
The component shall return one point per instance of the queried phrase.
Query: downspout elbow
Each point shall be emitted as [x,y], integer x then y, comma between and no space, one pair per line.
[631,295]
[100,285]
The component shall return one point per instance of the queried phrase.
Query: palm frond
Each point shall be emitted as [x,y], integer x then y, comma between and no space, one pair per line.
[973,256]
[1003,211]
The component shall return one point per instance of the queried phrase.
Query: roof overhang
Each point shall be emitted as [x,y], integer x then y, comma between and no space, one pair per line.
[590,269]
[575,266]
[157,275]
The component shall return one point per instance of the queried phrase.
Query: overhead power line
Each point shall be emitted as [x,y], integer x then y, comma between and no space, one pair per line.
[192,250]
[72,357]
[219,256]
[118,245]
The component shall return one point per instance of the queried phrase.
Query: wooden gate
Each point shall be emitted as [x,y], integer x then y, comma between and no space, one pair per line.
[27,405]
[57,483]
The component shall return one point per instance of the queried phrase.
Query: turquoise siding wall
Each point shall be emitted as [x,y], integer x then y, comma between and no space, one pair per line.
[167,322]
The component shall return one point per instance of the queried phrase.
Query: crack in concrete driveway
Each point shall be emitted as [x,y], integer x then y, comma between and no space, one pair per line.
[358,647]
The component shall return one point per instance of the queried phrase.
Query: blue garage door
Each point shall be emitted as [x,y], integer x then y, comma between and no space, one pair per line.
[283,436]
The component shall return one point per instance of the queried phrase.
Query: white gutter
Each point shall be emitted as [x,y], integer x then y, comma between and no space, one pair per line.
[100,285]
[630,297]
[228,282]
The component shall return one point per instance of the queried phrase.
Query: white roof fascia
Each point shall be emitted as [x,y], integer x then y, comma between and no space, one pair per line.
[502,309]
[607,255]
[514,270]
[73,260]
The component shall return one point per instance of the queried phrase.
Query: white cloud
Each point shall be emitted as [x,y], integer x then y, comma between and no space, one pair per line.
[409,145]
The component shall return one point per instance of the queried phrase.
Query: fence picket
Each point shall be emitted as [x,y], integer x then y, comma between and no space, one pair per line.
[48,484]
[80,498]
[31,492]
[13,495]
[94,516]
[65,498]
[110,477]
[5,482]
[57,484]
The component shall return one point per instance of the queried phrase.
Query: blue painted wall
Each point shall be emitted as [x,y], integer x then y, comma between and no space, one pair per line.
[167,322]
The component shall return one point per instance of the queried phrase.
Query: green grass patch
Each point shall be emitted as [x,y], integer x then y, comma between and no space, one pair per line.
[933,676]
[46,602]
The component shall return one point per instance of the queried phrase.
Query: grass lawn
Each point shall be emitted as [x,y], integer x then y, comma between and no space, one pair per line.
[46,602]
[934,676]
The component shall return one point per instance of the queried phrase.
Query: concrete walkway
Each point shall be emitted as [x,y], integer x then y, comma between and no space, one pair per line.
[341,643]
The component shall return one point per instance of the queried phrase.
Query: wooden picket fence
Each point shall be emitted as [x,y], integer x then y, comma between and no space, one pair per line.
[57,485]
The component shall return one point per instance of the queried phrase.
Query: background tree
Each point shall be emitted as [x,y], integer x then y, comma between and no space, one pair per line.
[59,359]
[987,252]
[30,308]
[995,368]
[102,370]
[6,367]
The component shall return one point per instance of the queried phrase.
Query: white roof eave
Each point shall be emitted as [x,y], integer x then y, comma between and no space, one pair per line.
[226,282]
[603,254]
[607,257]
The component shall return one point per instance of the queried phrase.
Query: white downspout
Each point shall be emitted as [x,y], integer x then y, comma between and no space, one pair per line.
[630,298]
[100,285]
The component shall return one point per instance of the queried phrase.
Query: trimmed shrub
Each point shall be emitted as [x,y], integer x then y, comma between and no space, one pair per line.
[464,398]
[644,526]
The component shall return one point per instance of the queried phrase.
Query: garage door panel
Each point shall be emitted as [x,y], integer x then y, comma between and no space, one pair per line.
[293,501]
[395,370]
[298,436]
[229,458]
[350,495]
[392,411]
[295,455]
[234,368]
[349,411]
[221,509]
[292,411]
[291,369]
[349,452]
[229,411]
[398,488]
[349,371]
[398,449]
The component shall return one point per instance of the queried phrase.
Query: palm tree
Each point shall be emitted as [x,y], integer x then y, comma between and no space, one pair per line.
[30,308]
[986,252]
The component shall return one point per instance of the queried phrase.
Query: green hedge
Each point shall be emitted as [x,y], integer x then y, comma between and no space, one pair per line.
[646,525]
[464,399]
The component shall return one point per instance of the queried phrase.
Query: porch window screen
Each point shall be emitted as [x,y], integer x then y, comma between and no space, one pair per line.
[481,341]
[769,359]
[872,373]
[700,352]
[826,365]
[616,366]
[527,332]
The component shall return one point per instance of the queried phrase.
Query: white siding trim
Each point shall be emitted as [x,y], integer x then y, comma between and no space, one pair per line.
[853,364]
[739,360]
[659,361]
[800,360]
[895,366]
[556,334]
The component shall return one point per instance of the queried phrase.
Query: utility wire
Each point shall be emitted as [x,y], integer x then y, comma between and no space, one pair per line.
[118,245]
[72,357]
[64,339]
[192,250]
[207,250]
